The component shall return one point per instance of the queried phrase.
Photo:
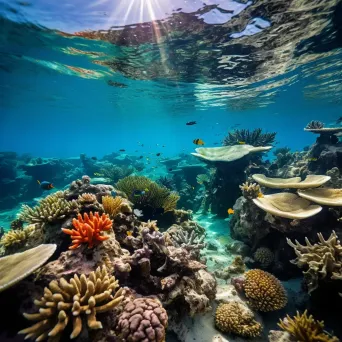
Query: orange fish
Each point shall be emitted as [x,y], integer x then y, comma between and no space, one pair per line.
[230,211]
[198,142]
[129,233]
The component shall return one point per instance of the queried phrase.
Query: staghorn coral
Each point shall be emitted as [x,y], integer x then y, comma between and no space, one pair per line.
[263,290]
[17,224]
[323,259]
[166,182]
[143,319]
[305,328]
[236,318]
[154,196]
[264,256]
[65,301]
[254,138]
[112,205]
[14,238]
[52,208]
[250,190]
[88,229]
[188,240]
[314,124]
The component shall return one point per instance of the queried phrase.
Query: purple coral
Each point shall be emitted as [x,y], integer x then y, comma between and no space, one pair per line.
[143,319]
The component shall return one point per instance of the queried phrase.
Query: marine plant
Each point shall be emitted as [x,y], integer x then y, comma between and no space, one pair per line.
[143,319]
[89,229]
[114,172]
[314,125]
[151,194]
[305,328]
[111,205]
[235,318]
[52,208]
[245,136]
[65,301]
[15,238]
[323,260]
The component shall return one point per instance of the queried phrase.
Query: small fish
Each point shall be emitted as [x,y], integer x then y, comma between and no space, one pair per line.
[163,146]
[122,150]
[141,157]
[198,142]
[260,195]
[94,158]
[138,213]
[98,174]
[216,143]
[190,123]
[138,193]
[158,154]
[312,159]
[113,193]
[129,233]
[339,120]
[116,84]
[241,142]
[170,169]
[45,185]
[230,211]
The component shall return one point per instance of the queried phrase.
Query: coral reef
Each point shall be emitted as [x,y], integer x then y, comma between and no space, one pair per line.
[245,136]
[143,319]
[250,190]
[114,173]
[235,268]
[18,266]
[264,256]
[112,205]
[188,240]
[50,209]
[263,290]
[63,300]
[166,182]
[236,318]
[314,125]
[89,229]
[13,238]
[323,260]
[305,328]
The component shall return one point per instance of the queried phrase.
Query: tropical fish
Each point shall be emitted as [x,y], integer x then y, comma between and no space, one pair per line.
[190,123]
[129,233]
[260,195]
[113,193]
[198,142]
[94,158]
[45,185]
[138,212]
[158,154]
[339,120]
[312,159]
[230,211]
[98,174]
[122,150]
[138,193]
[141,157]
[241,142]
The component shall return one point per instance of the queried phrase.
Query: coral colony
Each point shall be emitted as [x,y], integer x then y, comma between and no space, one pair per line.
[123,255]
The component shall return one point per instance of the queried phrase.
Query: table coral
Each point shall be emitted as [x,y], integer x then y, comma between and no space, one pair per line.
[236,318]
[143,319]
[65,301]
[263,291]
[323,259]
[88,229]
[305,328]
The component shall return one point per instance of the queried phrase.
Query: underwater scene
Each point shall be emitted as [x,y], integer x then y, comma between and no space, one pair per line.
[171,170]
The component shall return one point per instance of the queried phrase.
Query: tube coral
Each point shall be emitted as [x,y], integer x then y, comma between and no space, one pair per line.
[88,229]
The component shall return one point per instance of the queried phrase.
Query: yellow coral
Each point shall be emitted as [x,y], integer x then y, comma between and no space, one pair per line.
[111,205]
[264,291]
[305,328]
[64,301]
[235,318]
[17,237]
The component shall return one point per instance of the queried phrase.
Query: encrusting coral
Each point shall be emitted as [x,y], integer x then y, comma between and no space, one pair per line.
[51,208]
[152,195]
[264,256]
[245,136]
[143,319]
[15,238]
[323,259]
[305,328]
[236,318]
[111,205]
[263,290]
[250,190]
[65,301]
[88,229]
[18,266]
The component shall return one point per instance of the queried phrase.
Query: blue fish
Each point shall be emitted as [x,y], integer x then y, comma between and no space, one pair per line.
[138,193]
[113,193]
[45,185]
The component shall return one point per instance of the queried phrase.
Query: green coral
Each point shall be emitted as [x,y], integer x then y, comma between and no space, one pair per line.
[254,138]
[50,209]
[153,195]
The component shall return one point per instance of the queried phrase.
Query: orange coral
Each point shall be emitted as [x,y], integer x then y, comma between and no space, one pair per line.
[88,229]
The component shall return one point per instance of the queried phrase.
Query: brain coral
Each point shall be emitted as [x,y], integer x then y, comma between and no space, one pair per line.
[143,319]
[264,291]
[264,256]
[236,318]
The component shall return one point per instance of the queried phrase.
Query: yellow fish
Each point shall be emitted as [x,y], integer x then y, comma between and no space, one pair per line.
[241,142]
[312,159]
[98,174]
[260,195]
[129,233]
[230,211]
[198,142]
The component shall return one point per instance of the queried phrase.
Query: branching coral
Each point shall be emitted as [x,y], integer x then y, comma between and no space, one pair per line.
[143,319]
[254,138]
[323,259]
[14,238]
[264,256]
[264,291]
[151,194]
[88,229]
[314,125]
[202,178]
[305,328]
[50,209]
[17,224]
[114,173]
[86,198]
[236,318]
[250,190]
[188,240]
[167,182]
[64,301]
[111,205]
